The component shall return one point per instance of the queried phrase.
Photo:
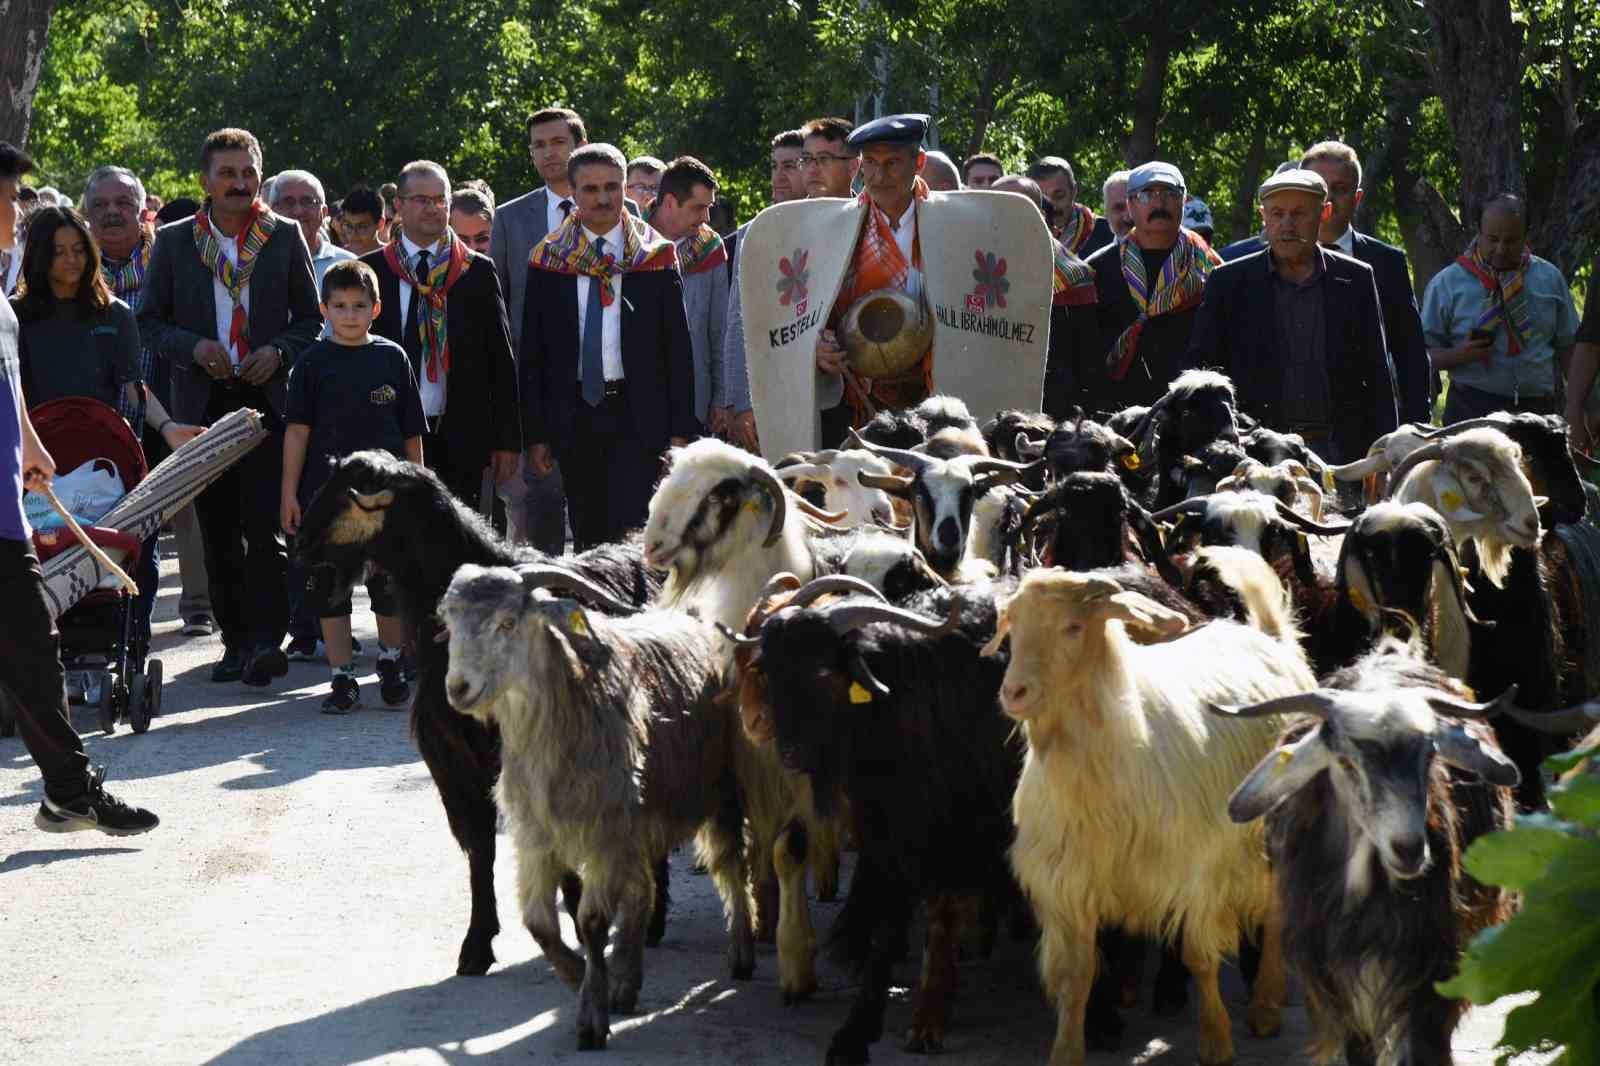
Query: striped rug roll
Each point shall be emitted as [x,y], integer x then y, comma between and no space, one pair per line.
[167,489]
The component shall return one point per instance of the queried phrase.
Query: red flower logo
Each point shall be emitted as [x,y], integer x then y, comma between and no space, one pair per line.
[792,286]
[990,275]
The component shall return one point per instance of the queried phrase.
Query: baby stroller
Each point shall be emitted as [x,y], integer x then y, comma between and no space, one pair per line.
[98,632]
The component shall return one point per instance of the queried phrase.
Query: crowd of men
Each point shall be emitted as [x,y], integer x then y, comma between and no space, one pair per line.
[555,365]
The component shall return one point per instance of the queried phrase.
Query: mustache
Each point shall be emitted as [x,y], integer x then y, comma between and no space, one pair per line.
[1160,213]
[1290,238]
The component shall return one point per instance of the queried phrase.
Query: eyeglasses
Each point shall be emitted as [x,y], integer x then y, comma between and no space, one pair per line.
[350,226]
[787,166]
[823,159]
[295,202]
[420,201]
[1152,196]
[644,187]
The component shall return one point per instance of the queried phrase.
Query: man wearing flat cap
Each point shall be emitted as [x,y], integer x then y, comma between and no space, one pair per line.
[1148,286]
[1299,329]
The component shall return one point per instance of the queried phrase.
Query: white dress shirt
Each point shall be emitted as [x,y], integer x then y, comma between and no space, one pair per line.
[224,302]
[553,215]
[610,317]
[433,392]
[905,237]
[1347,241]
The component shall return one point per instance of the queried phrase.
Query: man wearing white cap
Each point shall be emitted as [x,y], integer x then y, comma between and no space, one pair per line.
[1148,286]
[1299,330]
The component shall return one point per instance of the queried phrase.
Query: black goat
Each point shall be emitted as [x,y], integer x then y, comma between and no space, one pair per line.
[896,713]
[1198,408]
[1369,805]
[1080,444]
[1000,433]
[904,429]
[377,509]
[1271,447]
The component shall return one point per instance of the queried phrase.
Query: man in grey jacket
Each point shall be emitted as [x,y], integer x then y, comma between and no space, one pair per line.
[681,213]
[554,133]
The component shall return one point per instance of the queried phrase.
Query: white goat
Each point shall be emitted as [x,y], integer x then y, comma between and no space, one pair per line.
[1288,481]
[1121,810]
[837,473]
[1475,480]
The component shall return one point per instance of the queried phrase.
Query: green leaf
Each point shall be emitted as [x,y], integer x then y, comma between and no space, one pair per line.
[1579,800]
[1516,858]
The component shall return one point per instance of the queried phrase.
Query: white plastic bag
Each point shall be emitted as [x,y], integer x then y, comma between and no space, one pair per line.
[88,493]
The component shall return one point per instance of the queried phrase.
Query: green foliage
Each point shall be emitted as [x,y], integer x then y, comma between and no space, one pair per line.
[1552,946]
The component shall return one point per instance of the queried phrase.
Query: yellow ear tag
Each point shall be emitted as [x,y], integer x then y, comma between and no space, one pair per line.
[1327,480]
[1358,600]
[1451,499]
[1131,461]
[859,694]
[576,623]
[753,507]
[1285,757]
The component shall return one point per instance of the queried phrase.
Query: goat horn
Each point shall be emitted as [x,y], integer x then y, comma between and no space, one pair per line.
[373,501]
[1445,432]
[539,575]
[1442,704]
[805,472]
[768,482]
[831,518]
[1361,468]
[1315,702]
[818,587]
[884,482]
[910,460]
[1193,505]
[738,639]
[1572,720]
[779,582]
[1290,515]
[1026,445]
[983,464]
[847,617]
[1428,452]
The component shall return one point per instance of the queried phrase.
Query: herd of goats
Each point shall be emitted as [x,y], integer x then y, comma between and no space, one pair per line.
[1164,675]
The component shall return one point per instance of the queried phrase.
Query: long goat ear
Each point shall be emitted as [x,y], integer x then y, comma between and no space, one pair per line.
[1457,746]
[1002,627]
[1284,771]
[1144,614]
[1450,498]
[569,628]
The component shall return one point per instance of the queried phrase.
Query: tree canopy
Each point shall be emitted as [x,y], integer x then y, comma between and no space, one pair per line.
[1447,101]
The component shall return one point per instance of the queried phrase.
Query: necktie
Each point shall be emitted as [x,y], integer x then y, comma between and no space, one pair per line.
[566,210]
[1330,246]
[594,367]
[412,335]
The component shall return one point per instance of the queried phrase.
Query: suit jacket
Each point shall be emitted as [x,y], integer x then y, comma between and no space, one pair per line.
[1242,248]
[480,413]
[1236,331]
[657,361]
[1402,325]
[1162,343]
[178,309]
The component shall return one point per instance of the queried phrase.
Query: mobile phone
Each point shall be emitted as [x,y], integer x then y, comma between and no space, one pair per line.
[1487,336]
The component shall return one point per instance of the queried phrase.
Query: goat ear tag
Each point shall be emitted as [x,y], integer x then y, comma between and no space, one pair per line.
[753,507]
[1451,499]
[859,694]
[1358,600]
[1131,461]
[577,623]
[1328,484]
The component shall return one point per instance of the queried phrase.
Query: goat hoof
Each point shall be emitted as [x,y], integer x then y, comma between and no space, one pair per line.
[1264,1022]
[590,1039]
[926,1040]
[742,966]
[475,958]
[624,1000]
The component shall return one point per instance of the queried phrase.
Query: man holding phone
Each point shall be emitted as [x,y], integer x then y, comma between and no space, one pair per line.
[1499,320]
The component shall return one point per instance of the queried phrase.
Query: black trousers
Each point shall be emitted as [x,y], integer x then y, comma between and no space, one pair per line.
[244,545]
[461,473]
[609,473]
[30,667]
[1465,402]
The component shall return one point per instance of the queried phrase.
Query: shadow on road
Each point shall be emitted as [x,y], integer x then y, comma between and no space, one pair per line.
[23,859]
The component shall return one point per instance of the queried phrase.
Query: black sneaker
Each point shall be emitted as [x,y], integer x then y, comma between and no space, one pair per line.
[95,809]
[392,684]
[344,698]
[305,650]
[197,625]
[230,667]
[264,664]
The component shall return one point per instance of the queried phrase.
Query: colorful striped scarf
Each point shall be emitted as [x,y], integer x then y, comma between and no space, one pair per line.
[127,277]
[1508,300]
[700,251]
[1078,229]
[568,250]
[1074,280]
[432,320]
[252,237]
[1179,287]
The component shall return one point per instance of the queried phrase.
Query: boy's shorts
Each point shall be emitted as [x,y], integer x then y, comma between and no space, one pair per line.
[326,598]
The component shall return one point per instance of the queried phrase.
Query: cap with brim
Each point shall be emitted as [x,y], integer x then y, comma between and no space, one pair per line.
[1155,173]
[1293,181]
[1197,215]
[890,129]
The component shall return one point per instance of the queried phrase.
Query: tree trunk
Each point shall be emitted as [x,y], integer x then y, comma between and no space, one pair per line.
[1565,231]
[995,74]
[1141,146]
[1477,61]
[27,28]
[1242,220]
[1432,235]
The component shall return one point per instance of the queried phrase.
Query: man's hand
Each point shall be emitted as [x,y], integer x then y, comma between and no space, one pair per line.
[718,420]
[1474,349]
[540,461]
[743,432]
[259,366]
[830,357]
[212,357]
[289,514]
[503,465]
[37,467]
[177,434]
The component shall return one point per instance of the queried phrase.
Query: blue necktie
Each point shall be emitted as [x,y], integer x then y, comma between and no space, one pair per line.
[594,367]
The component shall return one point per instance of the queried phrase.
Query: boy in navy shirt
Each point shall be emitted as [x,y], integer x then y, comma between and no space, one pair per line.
[348,392]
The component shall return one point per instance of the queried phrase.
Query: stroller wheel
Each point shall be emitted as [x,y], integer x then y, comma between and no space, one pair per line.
[108,704]
[139,703]
[152,670]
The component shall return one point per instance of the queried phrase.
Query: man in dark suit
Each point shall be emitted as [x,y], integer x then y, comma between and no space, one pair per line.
[1078,228]
[1340,167]
[1299,330]
[230,299]
[442,303]
[606,364]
